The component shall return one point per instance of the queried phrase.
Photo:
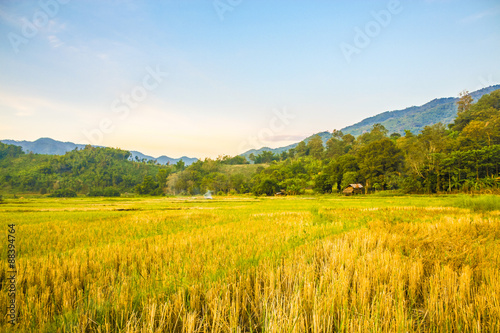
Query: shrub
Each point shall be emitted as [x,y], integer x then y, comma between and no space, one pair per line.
[157,191]
[266,186]
[111,192]
[107,192]
[323,184]
[148,186]
[96,193]
[63,193]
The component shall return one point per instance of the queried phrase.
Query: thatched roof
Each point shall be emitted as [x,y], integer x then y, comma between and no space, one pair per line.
[353,188]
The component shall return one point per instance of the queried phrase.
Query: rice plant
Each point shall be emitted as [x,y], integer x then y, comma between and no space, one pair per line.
[325,264]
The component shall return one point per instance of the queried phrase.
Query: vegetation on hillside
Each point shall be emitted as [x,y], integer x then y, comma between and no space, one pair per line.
[415,118]
[463,157]
[81,171]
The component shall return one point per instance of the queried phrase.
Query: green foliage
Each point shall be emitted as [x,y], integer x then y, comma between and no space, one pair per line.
[462,158]
[350,177]
[107,192]
[315,147]
[379,159]
[214,175]
[10,151]
[378,132]
[484,109]
[320,217]
[323,183]
[180,165]
[395,136]
[266,186]
[334,148]
[415,118]
[233,160]
[479,203]
[162,176]
[63,193]
[148,187]
[265,157]
[301,149]
[464,103]
[79,170]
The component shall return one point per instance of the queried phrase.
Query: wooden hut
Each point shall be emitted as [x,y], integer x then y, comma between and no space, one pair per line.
[353,189]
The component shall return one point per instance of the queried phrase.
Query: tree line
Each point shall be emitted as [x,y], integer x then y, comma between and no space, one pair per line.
[94,171]
[463,156]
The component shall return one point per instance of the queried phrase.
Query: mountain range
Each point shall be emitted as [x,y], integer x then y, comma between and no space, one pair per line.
[53,147]
[413,118]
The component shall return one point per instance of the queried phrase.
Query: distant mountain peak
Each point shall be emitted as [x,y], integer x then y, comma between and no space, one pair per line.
[413,118]
[49,146]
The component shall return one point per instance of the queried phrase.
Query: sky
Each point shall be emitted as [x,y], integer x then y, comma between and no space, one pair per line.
[204,78]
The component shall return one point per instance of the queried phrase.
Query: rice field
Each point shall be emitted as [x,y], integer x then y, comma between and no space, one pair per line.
[244,264]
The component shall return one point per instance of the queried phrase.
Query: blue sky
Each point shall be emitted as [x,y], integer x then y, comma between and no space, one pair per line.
[204,78]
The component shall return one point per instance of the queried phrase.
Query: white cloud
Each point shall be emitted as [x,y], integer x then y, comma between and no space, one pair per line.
[54,41]
[494,11]
[54,26]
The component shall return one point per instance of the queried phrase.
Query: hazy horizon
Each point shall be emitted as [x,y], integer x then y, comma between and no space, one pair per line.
[209,78]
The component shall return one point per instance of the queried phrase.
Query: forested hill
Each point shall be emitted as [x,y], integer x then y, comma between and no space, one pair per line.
[325,136]
[414,118]
[79,171]
[464,156]
[49,146]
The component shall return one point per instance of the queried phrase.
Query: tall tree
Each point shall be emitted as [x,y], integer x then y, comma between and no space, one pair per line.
[301,149]
[377,132]
[334,148]
[180,165]
[315,147]
[378,160]
[465,101]
[162,176]
[487,107]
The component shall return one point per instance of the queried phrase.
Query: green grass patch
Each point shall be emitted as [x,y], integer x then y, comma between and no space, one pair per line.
[482,203]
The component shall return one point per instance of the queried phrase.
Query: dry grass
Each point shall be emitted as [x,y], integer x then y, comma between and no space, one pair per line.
[285,265]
